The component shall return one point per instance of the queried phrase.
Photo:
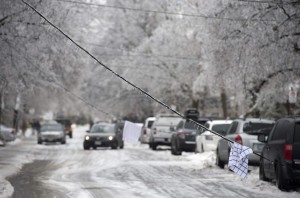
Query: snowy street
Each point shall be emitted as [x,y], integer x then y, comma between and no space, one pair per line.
[55,170]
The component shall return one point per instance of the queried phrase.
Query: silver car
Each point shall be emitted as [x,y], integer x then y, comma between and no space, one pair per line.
[53,132]
[161,130]
[245,132]
[145,133]
[6,134]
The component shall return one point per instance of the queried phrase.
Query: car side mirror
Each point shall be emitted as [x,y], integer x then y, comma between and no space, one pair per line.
[172,128]
[88,131]
[262,138]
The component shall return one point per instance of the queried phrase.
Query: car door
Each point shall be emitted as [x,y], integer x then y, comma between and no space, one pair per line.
[296,146]
[224,144]
[274,148]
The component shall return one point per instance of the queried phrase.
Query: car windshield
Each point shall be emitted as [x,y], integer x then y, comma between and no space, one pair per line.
[103,128]
[257,128]
[150,124]
[168,121]
[220,128]
[191,125]
[51,127]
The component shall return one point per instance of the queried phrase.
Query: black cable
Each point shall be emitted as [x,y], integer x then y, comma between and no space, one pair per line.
[135,86]
[162,12]
[270,2]
[146,55]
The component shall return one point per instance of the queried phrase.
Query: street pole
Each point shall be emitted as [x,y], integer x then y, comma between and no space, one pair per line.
[16,112]
[4,81]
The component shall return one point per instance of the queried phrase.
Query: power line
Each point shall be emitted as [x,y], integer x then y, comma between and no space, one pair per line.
[147,55]
[164,12]
[270,2]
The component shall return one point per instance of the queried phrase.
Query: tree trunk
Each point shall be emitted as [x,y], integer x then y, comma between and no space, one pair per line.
[224,103]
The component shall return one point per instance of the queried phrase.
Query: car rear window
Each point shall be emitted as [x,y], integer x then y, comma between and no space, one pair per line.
[52,127]
[150,124]
[297,133]
[190,125]
[257,128]
[103,128]
[220,128]
[168,121]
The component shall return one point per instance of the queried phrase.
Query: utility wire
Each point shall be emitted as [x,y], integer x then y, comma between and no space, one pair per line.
[163,12]
[270,2]
[147,55]
[144,92]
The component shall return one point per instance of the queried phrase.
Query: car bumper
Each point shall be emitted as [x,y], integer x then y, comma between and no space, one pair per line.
[102,143]
[210,146]
[188,145]
[145,139]
[51,139]
[162,141]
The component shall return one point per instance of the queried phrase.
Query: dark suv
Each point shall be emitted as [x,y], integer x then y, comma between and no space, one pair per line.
[281,153]
[184,138]
[104,135]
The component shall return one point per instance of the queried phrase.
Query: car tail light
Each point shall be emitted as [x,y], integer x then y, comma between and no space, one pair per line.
[288,151]
[181,134]
[145,131]
[238,139]
[154,131]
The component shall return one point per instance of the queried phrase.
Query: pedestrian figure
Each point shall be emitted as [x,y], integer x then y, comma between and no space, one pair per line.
[35,126]
[24,126]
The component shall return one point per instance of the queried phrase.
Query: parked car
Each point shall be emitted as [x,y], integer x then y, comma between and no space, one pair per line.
[145,133]
[207,141]
[160,130]
[245,132]
[283,148]
[104,135]
[67,124]
[52,132]
[184,137]
[7,134]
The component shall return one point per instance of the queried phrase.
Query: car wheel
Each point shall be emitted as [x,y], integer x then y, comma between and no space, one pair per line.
[262,172]
[94,147]
[63,142]
[150,145]
[219,162]
[176,148]
[114,146]
[154,146]
[281,183]
[86,147]
[122,146]
[39,142]
[173,149]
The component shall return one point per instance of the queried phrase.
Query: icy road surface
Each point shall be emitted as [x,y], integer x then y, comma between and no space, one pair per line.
[54,170]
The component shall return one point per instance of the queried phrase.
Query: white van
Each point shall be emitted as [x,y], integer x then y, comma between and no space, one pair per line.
[208,141]
[145,133]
